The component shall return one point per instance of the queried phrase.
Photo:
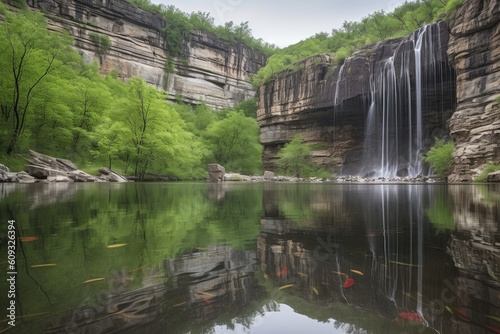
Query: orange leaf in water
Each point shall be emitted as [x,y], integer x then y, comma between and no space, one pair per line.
[348,283]
[411,316]
[286,286]
[283,271]
[28,239]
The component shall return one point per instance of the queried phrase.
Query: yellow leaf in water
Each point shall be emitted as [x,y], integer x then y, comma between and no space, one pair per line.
[93,280]
[448,309]
[286,286]
[357,272]
[302,274]
[266,276]
[493,317]
[116,245]
[180,304]
[315,290]
[404,264]
[339,273]
[43,265]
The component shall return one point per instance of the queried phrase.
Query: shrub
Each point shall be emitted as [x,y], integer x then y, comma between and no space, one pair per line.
[440,157]
[294,160]
[489,168]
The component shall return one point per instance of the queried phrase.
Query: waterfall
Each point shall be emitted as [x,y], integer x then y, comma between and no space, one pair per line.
[404,87]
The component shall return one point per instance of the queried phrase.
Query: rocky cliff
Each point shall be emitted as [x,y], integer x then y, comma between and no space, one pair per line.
[328,103]
[209,71]
[474,50]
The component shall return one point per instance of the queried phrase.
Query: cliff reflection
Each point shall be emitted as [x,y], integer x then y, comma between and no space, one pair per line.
[396,237]
[186,295]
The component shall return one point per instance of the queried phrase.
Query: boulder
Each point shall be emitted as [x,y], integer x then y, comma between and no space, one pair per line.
[109,175]
[268,176]
[59,178]
[494,177]
[4,170]
[216,172]
[236,177]
[24,177]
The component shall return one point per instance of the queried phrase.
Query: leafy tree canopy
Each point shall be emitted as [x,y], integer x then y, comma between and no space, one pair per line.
[353,35]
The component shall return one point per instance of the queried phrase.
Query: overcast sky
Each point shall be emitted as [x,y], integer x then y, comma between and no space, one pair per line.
[285,22]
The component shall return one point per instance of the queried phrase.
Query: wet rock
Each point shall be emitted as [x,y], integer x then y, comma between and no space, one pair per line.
[494,177]
[59,178]
[109,175]
[216,172]
[236,177]
[268,176]
[24,177]
[4,170]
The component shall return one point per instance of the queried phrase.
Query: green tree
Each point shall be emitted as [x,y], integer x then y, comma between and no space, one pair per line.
[440,157]
[234,141]
[29,54]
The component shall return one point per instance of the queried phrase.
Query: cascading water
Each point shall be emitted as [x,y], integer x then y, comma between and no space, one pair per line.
[404,87]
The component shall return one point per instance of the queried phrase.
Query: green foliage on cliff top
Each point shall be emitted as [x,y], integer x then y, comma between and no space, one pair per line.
[180,24]
[341,43]
[54,103]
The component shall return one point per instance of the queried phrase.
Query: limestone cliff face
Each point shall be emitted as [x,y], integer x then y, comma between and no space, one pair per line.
[210,70]
[474,51]
[328,103]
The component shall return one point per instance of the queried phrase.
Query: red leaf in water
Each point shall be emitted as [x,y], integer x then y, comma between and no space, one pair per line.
[283,271]
[28,239]
[462,313]
[348,283]
[371,235]
[410,316]
[493,329]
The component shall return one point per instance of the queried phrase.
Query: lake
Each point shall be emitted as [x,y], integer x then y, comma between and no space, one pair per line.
[252,258]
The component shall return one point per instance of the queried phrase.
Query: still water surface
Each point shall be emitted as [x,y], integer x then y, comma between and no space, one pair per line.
[253,258]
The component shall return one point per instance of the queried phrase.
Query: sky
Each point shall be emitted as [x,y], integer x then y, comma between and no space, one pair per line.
[285,22]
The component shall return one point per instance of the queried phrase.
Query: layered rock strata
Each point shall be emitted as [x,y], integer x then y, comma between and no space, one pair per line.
[474,50]
[210,70]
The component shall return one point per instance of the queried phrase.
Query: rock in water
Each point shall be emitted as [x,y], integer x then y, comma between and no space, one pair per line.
[494,177]
[216,172]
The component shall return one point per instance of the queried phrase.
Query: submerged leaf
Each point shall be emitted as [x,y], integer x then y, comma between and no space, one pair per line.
[449,309]
[357,272]
[493,318]
[493,329]
[339,273]
[116,245]
[404,264]
[283,271]
[43,265]
[348,283]
[286,286]
[411,316]
[315,290]
[93,280]
[27,239]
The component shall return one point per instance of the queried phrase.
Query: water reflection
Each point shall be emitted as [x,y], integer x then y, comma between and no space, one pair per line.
[260,258]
